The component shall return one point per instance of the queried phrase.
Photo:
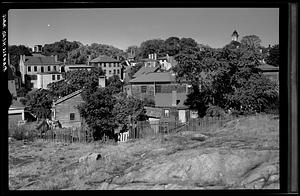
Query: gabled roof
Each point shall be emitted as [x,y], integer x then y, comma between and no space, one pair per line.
[267,67]
[145,70]
[47,60]
[104,59]
[235,33]
[154,77]
[67,97]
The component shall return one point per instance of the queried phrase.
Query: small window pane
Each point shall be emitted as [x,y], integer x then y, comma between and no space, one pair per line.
[29,69]
[53,77]
[58,77]
[35,68]
[42,69]
[54,67]
[143,89]
[72,116]
[167,113]
[49,69]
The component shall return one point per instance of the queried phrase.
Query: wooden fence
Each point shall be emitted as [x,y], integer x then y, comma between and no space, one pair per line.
[145,129]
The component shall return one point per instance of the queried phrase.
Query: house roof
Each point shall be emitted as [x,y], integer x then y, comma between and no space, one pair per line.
[67,96]
[267,67]
[47,60]
[154,77]
[38,55]
[145,70]
[104,59]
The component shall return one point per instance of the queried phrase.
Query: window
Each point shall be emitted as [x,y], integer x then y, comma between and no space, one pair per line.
[49,68]
[143,89]
[114,64]
[167,113]
[158,89]
[118,71]
[35,68]
[110,72]
[42,69]
[104,65]
[72,116]
[53,77]
[54,67]
[29,68]
[58,77]
[105,71]
[114,71]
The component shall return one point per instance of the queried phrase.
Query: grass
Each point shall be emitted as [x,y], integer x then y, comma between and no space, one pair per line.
[44,165]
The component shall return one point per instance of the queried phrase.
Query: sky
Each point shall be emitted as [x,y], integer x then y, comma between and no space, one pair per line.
[123,27]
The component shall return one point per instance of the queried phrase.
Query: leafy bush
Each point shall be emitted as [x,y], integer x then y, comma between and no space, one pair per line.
[21,133]
[215,111]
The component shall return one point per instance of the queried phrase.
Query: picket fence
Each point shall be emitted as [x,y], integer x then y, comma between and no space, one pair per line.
[145,129]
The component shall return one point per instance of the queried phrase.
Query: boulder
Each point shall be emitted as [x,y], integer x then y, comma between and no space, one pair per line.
[199,137]
[90,157]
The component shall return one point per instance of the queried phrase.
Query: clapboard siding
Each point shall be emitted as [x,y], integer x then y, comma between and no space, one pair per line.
[65,108]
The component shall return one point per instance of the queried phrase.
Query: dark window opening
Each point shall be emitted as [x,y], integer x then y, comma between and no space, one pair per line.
[58,77]
[49,68]
[158,89]
[53,77]
[72,116]
[35,68]
[143,89]
[42,69]
[29,69]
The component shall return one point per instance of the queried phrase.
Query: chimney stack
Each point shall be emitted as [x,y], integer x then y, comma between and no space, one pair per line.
[55,58]
[149,56]
[155,56]
[65,60]
[101,81]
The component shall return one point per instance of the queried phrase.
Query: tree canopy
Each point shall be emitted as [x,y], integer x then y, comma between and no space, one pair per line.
[15,52]
[227,78]
[274,56]
[61,48]
[75,80]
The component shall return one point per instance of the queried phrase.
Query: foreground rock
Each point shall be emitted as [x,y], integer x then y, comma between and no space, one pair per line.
[90,157]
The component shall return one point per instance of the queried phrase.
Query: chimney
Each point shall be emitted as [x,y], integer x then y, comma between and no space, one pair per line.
[168,57]
[155,56]
[149,56]
[89,59]
[101,81]
[174,98]
[65,60]
[118,58]
[55,58]
[21,57]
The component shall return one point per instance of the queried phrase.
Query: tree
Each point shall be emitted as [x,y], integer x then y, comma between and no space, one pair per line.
[128,108]
[39,103]
[150,47]
[132,49]
[80,55]
[75,80]
[115,83]
[61,48]
[251,41]
[97,111]
[186,43]
[233,45]
[14,54]
[274,56]
[172,46]
[220,76]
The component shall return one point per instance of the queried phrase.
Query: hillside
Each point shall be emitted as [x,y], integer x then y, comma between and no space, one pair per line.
[244,153]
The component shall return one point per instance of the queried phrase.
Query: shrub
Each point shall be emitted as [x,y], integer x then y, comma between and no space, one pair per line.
[21,133]
[215,111]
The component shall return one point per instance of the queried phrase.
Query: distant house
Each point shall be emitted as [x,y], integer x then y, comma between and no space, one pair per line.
[109,65]
[17,114]
[167,62]
[43,79]
[270,71]
[30,66]
[64,110]
[161,88]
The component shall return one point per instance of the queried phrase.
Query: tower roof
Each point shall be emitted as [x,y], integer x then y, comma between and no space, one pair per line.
[235,33]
